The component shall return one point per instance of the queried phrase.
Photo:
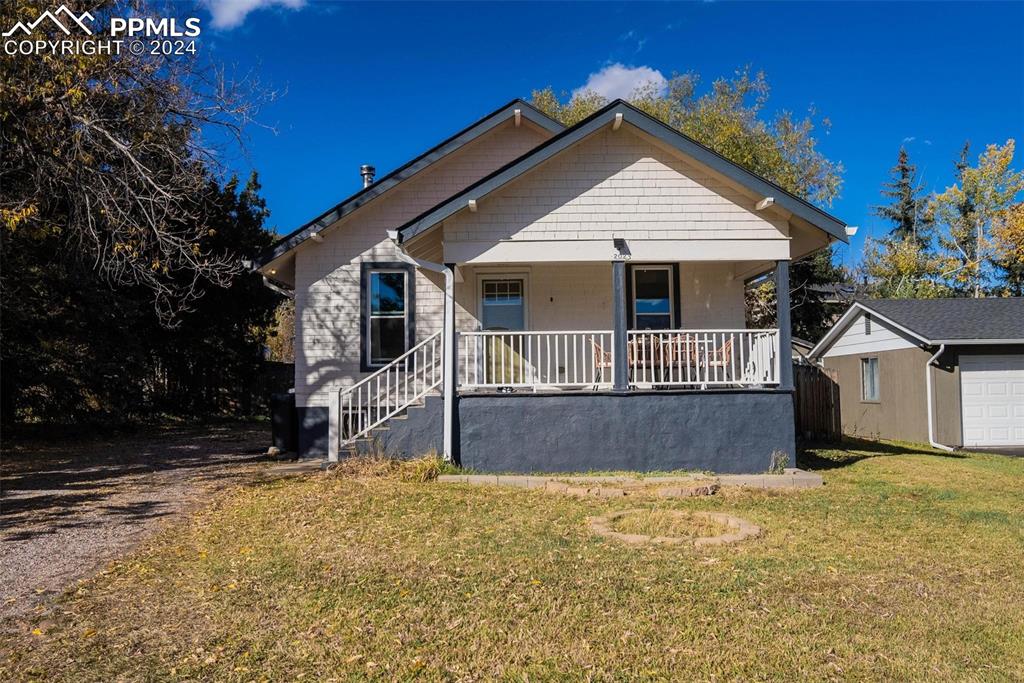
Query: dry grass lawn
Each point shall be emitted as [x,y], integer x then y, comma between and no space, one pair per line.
[907,565]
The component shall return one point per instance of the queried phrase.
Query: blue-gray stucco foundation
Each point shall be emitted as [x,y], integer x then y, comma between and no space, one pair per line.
[417,432]
[722,431]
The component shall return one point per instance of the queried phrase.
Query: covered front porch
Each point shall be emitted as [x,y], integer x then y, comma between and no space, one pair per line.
[610,326]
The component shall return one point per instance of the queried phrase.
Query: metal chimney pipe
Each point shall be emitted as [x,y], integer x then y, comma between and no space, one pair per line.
[367,171]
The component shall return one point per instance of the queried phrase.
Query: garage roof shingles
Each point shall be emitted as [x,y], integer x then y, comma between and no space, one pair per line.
[955,319]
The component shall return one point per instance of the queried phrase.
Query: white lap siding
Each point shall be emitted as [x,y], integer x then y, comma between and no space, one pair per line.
[327,274]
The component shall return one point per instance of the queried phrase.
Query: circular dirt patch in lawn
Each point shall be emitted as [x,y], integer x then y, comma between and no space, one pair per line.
[673,527]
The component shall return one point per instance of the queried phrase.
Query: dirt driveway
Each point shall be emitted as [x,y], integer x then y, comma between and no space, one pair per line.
[67,508]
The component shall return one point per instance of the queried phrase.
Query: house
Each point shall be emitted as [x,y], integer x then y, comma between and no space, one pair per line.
[801,349]
[529,297]
[945,371]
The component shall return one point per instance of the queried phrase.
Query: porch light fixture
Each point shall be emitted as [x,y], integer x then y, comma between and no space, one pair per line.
[472,205]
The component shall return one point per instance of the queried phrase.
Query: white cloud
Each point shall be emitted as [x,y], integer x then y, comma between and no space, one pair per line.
[617,80]
[231,13]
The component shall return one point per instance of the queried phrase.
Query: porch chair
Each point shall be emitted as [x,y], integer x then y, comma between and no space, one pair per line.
[682,354]
[645,358]
[721,358]
[602,359]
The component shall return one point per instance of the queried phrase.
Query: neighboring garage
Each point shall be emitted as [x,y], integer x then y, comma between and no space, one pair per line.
[945,371]
[992,396]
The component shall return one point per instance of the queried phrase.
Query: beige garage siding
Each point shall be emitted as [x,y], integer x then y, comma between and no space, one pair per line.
[901,412]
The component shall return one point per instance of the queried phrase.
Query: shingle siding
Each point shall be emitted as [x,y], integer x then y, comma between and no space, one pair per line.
[615,184]
[328,273]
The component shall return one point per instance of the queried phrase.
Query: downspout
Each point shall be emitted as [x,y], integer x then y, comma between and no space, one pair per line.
[931,417]
[448,346]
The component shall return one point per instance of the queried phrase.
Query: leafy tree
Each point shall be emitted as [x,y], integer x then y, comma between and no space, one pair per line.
[282,335]
[76,349]
[908,209]
[1008,249]
[902,268]
[968,209]
[730,119]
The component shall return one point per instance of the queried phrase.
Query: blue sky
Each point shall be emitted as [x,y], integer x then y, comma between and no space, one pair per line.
[380,83]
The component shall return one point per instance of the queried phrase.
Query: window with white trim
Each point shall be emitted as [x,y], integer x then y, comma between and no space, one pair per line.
[503,303]
[387,315]
[869,379]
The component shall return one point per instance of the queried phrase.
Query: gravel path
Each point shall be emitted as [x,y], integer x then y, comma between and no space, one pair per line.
[68,508]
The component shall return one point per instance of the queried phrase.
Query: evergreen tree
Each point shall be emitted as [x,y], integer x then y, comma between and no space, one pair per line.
[908,209]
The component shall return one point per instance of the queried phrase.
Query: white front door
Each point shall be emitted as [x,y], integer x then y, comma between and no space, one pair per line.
[992,400]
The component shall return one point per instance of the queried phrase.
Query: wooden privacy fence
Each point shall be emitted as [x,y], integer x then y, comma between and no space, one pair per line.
[817,403]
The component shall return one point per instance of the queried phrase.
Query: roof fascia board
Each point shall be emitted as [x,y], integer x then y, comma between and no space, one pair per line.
[976,342]
[847,319]
[407,170]
[649,125]
[503,176]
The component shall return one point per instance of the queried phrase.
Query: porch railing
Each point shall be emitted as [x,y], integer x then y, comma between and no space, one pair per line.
[655,358]
[390,390]
[537,360]
[703,358]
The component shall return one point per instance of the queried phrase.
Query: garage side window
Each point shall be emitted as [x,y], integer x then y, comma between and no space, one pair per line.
[869,379]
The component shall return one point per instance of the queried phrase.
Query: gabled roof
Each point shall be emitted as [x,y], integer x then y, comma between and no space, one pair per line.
[649,125]
[940,321]
[379,187]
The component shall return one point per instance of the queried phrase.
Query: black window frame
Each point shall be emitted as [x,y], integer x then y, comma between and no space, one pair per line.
[365,269]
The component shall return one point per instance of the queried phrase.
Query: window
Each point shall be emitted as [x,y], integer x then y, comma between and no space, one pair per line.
[869,379]
[388,312]
[503,303]
[653,303]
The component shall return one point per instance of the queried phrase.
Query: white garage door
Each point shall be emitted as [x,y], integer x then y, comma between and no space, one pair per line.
[992,390]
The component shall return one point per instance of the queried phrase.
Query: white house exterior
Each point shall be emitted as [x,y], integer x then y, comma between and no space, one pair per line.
[529,297]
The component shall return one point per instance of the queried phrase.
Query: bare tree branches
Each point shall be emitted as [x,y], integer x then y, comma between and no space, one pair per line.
[111,152]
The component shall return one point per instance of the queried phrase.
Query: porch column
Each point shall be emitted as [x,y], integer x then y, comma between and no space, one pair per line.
[449,361]
[785,324]
[620,357]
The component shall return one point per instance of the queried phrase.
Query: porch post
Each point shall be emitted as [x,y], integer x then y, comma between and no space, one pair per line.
[785,324]
[620,355]
[449,360]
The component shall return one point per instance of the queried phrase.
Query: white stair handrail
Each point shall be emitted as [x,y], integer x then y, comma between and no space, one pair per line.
[390,390]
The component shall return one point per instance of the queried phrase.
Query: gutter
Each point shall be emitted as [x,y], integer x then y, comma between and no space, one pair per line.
[270,284]
[448,343]
[931,415]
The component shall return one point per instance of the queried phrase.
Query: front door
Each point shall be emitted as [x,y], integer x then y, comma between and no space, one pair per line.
[503,309]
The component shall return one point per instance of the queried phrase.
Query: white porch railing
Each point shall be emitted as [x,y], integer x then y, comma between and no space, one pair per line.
[703,358]
[390,390]
[573,359]
[537,360]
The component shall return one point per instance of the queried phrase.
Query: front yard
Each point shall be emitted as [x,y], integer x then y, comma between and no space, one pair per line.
[906,565]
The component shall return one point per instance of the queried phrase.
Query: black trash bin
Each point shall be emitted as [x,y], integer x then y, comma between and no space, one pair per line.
[284,423]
